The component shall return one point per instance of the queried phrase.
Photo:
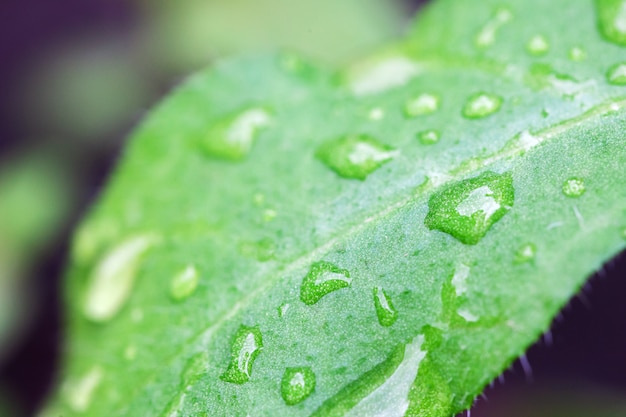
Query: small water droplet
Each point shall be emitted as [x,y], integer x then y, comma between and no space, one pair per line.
[246,346]
[467,209]
[297,385]
[78,393]
[573,187]
[262,250]
[543,76]
[481,105]
[577,54]
[355,156]
[421,105]
[525,253]
[232,136]
[382,74]
[184,283]
[537,45]
[428,137]
[616,75]
[269,215]
[282,309]
[386,312]
[376,113]
[612,20]
[112,279]
[487,35]
[322,279]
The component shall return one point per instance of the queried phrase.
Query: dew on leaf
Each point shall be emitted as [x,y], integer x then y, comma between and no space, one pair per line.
[612,20]
[382,75]
[525,253]
[487,34]
[543,76]
[355,156]
[467,315]
[297,385]
[421,105]
[232,136]
[428,137]
[112,279]
[262,250]
[376,113]
[573,187]
[537,45]
[467,209]
[386,312]
[322,279]
[459,279]
[78,393]
[481,105]
[184,283]
[245,347]
[577,54]
[616,75]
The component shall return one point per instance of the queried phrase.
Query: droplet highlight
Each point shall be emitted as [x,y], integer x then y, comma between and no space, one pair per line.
[232,136]
[184,283]
[487,35]
[322,279]
[577,54]
[537,45]
[112,280]
[616,75]
[355,156]
[612,20]
[385,311]
[376,114]
[79,393]
[245,348]
[481,105]
[421,105]
[297,385]
[525,253]
[467,209]
[573,187]
[428,137]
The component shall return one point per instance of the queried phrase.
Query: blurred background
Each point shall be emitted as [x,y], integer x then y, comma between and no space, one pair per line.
[76,76]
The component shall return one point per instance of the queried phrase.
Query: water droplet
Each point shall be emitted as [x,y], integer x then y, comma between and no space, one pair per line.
[525,253]
[262,250]
[130,353]
[577,54]
[459,279]
[376,113]
[467,209]
[246,346]
[467,315]
[543,76]
[487,35]
[612,20]
[421,105]
[573,187]
[481,105]
[269,215]
[617,74]
[282,310]
[386,312]
[184,283]
[232,136]
[297,385]
[382,74]
[322,279]
[428,137]
[78,393]
[112,280]
[537,45]
[355,156]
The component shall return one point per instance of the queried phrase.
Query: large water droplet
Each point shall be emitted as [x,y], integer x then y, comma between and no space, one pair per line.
[386,312]
[617,74]
[487,35]
[78,393]
[481,105]
[537,45]
[322,279]
[525,253]
[263,250]
[297,385]
[184,283]
[467,209]
[573,187]
[577,54]
[355,156]
[428,137]
[421,105]
[245,347]
[612,20]
[232,136]
[112,280]
[382,74]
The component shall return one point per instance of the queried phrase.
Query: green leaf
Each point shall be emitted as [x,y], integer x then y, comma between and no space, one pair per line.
[385,242]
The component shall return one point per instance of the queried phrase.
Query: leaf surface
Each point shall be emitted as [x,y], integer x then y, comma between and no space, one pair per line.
[280,240]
